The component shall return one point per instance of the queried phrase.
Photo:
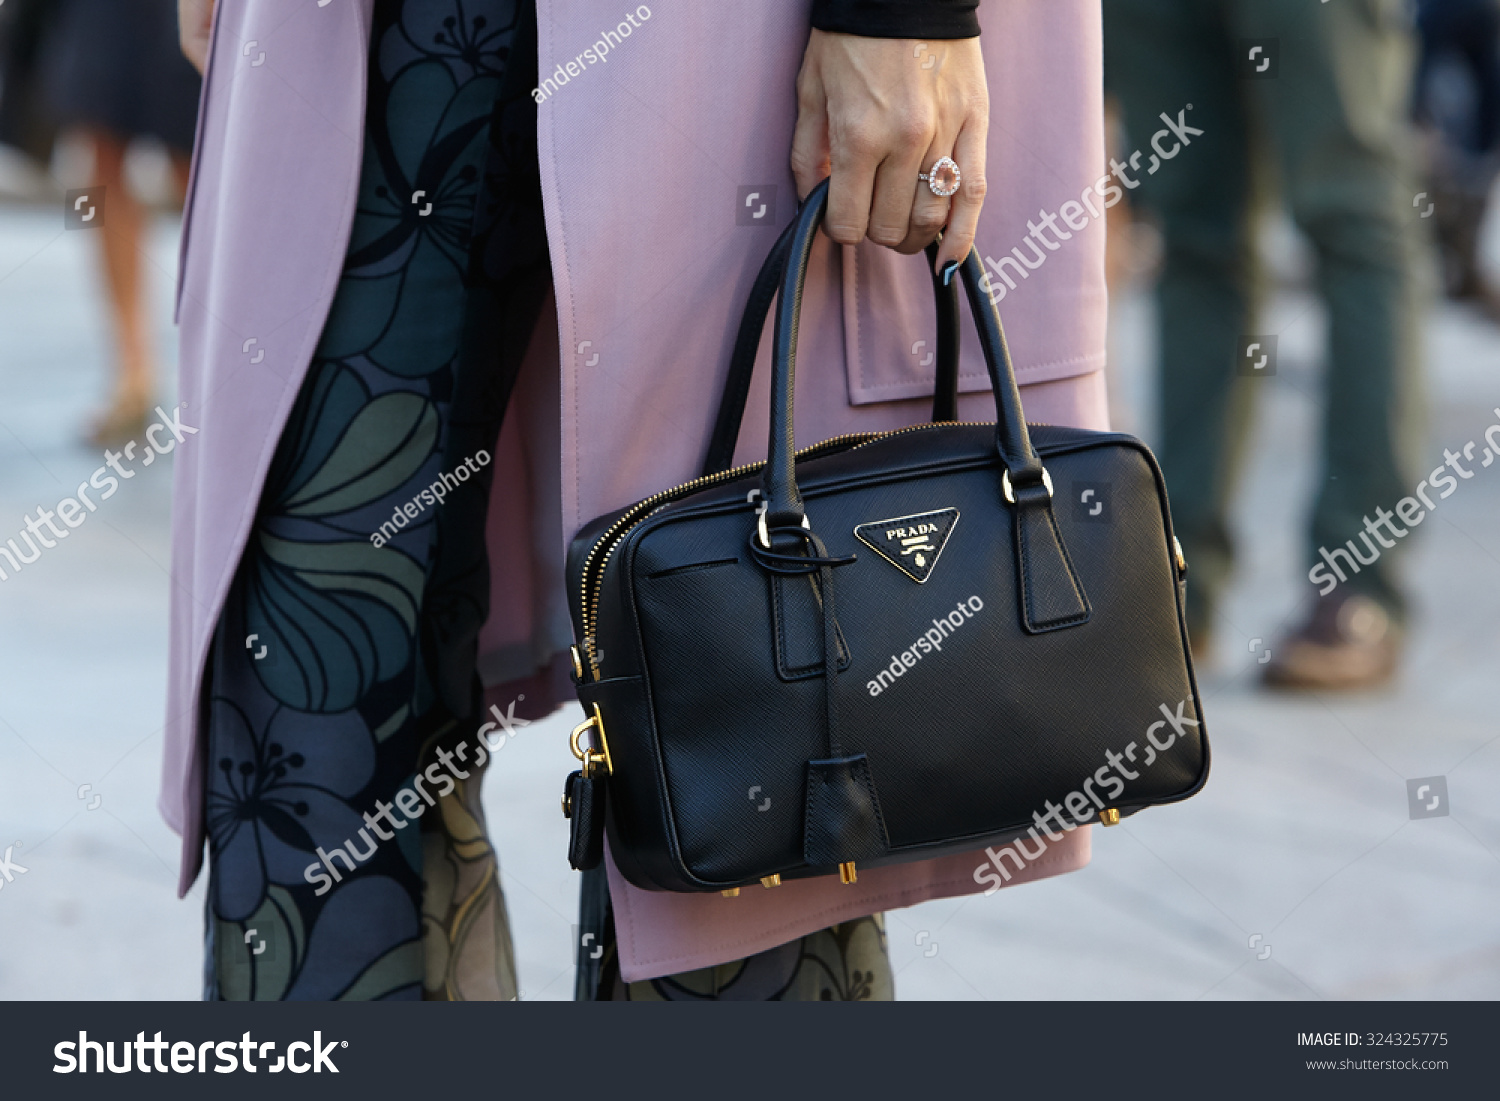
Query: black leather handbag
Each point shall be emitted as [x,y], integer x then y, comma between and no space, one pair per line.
[882,648]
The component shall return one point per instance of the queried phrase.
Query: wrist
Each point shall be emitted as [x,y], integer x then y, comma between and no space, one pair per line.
[934,19]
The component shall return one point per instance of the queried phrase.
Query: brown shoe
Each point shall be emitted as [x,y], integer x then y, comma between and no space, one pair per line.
[1349,641]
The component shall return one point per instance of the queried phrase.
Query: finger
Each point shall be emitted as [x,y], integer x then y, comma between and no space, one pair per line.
[896,185]
[963,215]
[810,138]
[855,151]
[930,211]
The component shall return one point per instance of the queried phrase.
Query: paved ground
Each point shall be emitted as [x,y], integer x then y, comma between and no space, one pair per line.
[1298,873]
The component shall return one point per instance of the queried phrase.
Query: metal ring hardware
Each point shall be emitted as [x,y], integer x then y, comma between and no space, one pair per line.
[765,536]
[588,756]
[1010,494]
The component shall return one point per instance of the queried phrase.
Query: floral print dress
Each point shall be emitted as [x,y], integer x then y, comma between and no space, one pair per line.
[343,666]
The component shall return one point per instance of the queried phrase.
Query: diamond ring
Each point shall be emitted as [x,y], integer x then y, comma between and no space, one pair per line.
[943,180]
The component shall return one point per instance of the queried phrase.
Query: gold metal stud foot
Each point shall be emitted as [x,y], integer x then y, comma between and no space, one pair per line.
[847,874]
[733,892]
[769,881]
[1109,816]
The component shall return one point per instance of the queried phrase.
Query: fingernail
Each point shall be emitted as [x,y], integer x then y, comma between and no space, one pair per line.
[949,270]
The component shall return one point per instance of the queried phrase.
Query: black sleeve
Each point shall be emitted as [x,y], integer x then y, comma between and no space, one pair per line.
[898,18]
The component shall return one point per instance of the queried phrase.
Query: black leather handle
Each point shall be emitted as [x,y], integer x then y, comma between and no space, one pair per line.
[726,432]
[945,393]
[742,362]
[779,481]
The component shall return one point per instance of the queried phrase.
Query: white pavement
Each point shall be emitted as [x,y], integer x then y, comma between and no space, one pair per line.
[1298,872]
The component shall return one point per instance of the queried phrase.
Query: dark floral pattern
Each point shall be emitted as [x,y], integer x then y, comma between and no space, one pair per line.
[849,962]
[278,794]
[340,666]
[322,697]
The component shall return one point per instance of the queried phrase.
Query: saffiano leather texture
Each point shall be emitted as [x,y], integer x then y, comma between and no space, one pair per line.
[783,690]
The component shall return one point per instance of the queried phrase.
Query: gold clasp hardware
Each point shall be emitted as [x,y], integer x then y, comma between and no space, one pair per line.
[1109,816]
[1010,495]
[733,892]
[591,758]
[769,881]
[577,663]
[847,874]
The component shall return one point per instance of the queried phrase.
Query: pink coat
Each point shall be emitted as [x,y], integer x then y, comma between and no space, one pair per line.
[648,161]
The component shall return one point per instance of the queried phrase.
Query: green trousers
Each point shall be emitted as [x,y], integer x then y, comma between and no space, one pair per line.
[1317,114]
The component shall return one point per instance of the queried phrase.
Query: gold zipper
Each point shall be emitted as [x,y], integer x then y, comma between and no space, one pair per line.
[642,510]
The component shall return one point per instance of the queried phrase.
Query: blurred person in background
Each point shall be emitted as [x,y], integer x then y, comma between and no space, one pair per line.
[1458,107]
[1315,98]
[112,71]
[26,125]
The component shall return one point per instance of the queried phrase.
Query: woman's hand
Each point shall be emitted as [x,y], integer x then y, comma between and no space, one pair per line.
[872,113]
[194,20]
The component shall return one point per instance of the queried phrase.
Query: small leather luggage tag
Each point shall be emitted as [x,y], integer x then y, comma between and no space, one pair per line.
[583,806]
[842,820]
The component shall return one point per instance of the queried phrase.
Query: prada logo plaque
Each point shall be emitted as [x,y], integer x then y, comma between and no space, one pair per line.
[910,543]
